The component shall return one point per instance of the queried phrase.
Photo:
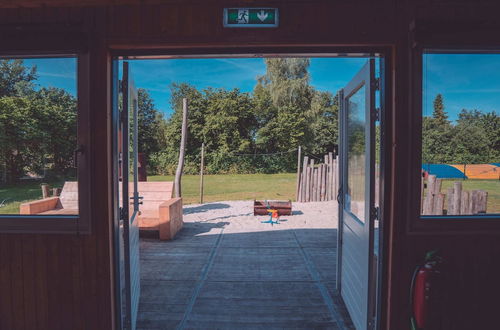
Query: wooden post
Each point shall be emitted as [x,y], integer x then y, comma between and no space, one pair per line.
[303,183]
[438,204]
[202,164]
[464,203]
[180,165]
[450,209]
[429,196]
[311,181]
[482,201]
[45,190]
[474,197]
[297,192]
[457,197]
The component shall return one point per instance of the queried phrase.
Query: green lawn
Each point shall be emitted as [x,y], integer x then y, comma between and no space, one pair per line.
[22,192]
[232,187]
[491,186]
[236,186]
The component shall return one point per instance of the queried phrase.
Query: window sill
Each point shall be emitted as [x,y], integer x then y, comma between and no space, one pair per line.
[43,224]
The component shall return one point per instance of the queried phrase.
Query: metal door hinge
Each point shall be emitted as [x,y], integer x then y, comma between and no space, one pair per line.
[375,214]
[122,213]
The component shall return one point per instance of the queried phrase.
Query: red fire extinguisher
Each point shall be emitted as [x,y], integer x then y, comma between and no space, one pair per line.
[424,291]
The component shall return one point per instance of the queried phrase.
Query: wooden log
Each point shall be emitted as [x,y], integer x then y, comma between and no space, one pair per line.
[464,203]
[428,203]
[202,165]
[180,165]
[482,201]
[422,196]
[322,182]
[318,183]
[297,190]
[330,177]
[56,192]
[310,182]
[437,186]
[45,190]
[303,184]
[449,202]
[473,201]
[431,182]
[457,197]
[315,184]
[325,191]
[438,204]
[327,172]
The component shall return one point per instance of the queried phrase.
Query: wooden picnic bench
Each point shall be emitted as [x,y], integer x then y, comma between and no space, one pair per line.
[159,212]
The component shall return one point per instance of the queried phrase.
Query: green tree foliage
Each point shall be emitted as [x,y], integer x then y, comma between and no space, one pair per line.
[473,139]
[240,129]
[150,123]
[37,127]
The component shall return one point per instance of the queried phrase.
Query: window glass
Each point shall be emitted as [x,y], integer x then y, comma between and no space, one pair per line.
[38,136]
[356,171]
[461,134]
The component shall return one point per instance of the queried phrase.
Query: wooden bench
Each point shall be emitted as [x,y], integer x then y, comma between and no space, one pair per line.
[159,212]
[66,203]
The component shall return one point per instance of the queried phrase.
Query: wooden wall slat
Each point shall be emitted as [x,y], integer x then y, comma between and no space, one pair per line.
[41,289]
[29,275]
[6,321]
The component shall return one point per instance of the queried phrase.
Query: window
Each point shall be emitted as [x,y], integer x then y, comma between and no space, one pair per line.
[460,134]
[42,153]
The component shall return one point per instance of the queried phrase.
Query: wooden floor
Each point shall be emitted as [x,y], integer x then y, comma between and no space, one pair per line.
[229,271]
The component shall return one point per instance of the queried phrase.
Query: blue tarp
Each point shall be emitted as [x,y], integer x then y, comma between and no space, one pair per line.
[496,164]
[443,171]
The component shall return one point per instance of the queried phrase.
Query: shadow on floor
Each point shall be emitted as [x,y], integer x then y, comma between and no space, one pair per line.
[204,208]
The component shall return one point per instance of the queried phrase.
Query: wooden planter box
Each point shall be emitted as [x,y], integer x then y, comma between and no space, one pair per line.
[283,207]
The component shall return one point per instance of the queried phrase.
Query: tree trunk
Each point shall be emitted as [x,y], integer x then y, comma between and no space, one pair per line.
[180,165]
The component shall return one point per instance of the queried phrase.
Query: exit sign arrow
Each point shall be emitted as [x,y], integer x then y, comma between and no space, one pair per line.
[262,15]
[250,17]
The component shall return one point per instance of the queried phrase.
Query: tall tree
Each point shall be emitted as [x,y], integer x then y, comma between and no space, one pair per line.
[439,113]
[149,120]
[15,77]
[286,82]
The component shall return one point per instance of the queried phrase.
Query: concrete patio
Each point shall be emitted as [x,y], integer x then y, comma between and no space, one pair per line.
[227,270]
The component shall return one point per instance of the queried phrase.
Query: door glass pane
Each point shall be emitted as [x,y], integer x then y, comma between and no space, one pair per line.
[356,122]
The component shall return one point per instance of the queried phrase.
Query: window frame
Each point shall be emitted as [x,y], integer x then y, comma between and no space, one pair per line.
[63,224]
[449,224]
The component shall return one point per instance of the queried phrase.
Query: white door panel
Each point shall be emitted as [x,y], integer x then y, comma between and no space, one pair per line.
[356,196]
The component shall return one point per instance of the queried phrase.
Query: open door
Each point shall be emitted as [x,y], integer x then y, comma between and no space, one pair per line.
[127,201]
[356,196]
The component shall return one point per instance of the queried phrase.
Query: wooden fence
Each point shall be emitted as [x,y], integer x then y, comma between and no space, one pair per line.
[318,182]
[456,201]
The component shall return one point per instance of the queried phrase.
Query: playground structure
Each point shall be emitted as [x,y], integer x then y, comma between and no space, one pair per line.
[160,213]
[455,202]
[463,171]
[318,182]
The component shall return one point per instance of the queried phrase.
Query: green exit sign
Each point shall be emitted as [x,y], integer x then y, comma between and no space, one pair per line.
[250,17]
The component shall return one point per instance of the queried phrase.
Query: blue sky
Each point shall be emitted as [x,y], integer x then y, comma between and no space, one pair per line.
[466,81]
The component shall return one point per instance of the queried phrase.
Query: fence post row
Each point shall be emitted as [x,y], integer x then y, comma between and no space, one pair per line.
[317,182]
[458,201]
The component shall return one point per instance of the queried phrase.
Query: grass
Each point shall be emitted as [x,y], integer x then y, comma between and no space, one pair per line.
[22,192]
[236,186]
[232,187]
